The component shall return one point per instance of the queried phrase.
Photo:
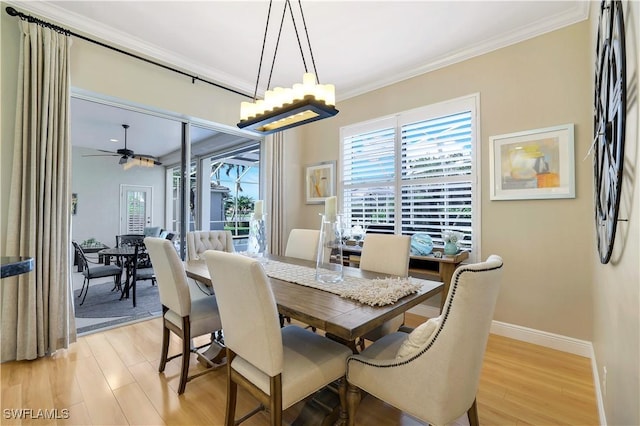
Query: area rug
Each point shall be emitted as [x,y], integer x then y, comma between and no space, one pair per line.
[101,302]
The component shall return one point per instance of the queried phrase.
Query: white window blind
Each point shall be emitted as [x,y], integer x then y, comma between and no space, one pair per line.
[414,172]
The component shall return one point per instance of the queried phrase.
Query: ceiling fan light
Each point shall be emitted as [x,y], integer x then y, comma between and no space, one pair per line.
[123,160]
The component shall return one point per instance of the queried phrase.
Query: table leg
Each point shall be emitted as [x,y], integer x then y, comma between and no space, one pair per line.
[127,280]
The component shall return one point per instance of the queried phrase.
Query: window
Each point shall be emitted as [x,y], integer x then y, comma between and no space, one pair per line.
[415,171]
[223,188]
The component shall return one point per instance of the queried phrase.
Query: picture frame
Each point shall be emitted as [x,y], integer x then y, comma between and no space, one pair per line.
[533,164]
[74,203]
[320,182]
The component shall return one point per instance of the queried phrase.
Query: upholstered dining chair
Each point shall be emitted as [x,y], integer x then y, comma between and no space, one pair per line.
[279,366]
[200,241]
[303,244]
[433,372]
[385,254]
[91,270]
[185,317]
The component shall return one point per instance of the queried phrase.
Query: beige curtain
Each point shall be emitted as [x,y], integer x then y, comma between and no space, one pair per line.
[37,311]
[275,190]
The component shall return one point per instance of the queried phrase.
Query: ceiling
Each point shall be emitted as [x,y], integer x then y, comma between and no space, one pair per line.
[98,125]
[357,45]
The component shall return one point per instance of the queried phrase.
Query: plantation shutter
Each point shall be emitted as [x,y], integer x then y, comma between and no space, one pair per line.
[437,167]
[414,172]
[368,173]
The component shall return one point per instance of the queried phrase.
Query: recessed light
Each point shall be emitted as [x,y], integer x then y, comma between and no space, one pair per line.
[113,140]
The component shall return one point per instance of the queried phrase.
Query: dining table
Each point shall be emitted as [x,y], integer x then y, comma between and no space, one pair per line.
[342,318]
[124,254]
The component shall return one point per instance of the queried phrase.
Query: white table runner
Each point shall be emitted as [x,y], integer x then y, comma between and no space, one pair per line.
[379,291]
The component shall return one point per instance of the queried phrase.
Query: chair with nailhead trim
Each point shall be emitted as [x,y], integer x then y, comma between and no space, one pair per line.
[433,372]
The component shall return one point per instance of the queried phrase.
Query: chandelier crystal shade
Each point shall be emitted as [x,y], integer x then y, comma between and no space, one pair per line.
[283,108]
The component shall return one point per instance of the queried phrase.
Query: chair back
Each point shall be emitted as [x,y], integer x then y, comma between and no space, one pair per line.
[303,244]
[82,257]
[131,240]
[438,380]
[248,310]
[152,231]
[200,241]
[170,275]
[386,254]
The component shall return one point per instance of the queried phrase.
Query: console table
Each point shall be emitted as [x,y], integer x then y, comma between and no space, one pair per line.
[15,265]
[426,267]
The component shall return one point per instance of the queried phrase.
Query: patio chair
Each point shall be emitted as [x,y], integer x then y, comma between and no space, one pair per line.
[92,269]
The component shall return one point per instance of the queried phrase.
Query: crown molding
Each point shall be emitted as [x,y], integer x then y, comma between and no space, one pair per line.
[98,30]
[580,13]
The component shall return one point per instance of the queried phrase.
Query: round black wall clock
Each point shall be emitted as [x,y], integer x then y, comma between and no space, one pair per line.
[610,110]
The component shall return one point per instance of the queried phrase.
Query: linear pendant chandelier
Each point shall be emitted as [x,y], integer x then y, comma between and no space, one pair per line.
[283,108]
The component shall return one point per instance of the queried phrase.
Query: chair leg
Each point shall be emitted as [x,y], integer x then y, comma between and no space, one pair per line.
[165,346]
[134,281]
[275,403]
[472,413]
[342,392]
[186,354]
[353,400]
[85,288]
[232,393]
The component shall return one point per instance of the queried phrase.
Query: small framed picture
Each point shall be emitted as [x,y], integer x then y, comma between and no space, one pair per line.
[534,164]
[320,182]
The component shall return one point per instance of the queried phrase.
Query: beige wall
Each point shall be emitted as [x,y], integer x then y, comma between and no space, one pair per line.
[538,83]
[553,280]
[616,285]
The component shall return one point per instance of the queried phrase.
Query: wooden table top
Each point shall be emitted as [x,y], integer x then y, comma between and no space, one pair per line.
[342,317]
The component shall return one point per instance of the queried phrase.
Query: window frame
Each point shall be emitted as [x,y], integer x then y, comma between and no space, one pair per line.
[469,103]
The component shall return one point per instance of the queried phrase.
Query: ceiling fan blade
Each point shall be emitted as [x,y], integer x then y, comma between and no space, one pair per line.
[100,155]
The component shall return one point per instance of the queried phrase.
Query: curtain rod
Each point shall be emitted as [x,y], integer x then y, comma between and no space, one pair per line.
[13,12]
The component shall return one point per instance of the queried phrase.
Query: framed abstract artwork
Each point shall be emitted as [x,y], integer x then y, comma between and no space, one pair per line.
[534,164]
[320,182]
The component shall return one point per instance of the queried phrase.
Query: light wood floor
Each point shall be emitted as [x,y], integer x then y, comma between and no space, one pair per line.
[111,378]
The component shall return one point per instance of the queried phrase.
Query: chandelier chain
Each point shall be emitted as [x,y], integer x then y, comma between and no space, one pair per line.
[295,27]
[275,52]
[313,61]
[264,41]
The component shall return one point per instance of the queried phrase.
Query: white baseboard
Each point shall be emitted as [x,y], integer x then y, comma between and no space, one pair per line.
[549,340]
[530,335]
[543,338]
[596,385]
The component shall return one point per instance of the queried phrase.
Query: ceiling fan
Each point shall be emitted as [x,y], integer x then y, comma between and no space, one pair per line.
[128,158]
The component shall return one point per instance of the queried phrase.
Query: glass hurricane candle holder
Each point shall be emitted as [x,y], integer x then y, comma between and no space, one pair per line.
[257,246]
[329,261]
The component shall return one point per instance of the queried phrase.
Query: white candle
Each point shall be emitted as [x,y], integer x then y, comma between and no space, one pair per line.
[330,208]
[257,208]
